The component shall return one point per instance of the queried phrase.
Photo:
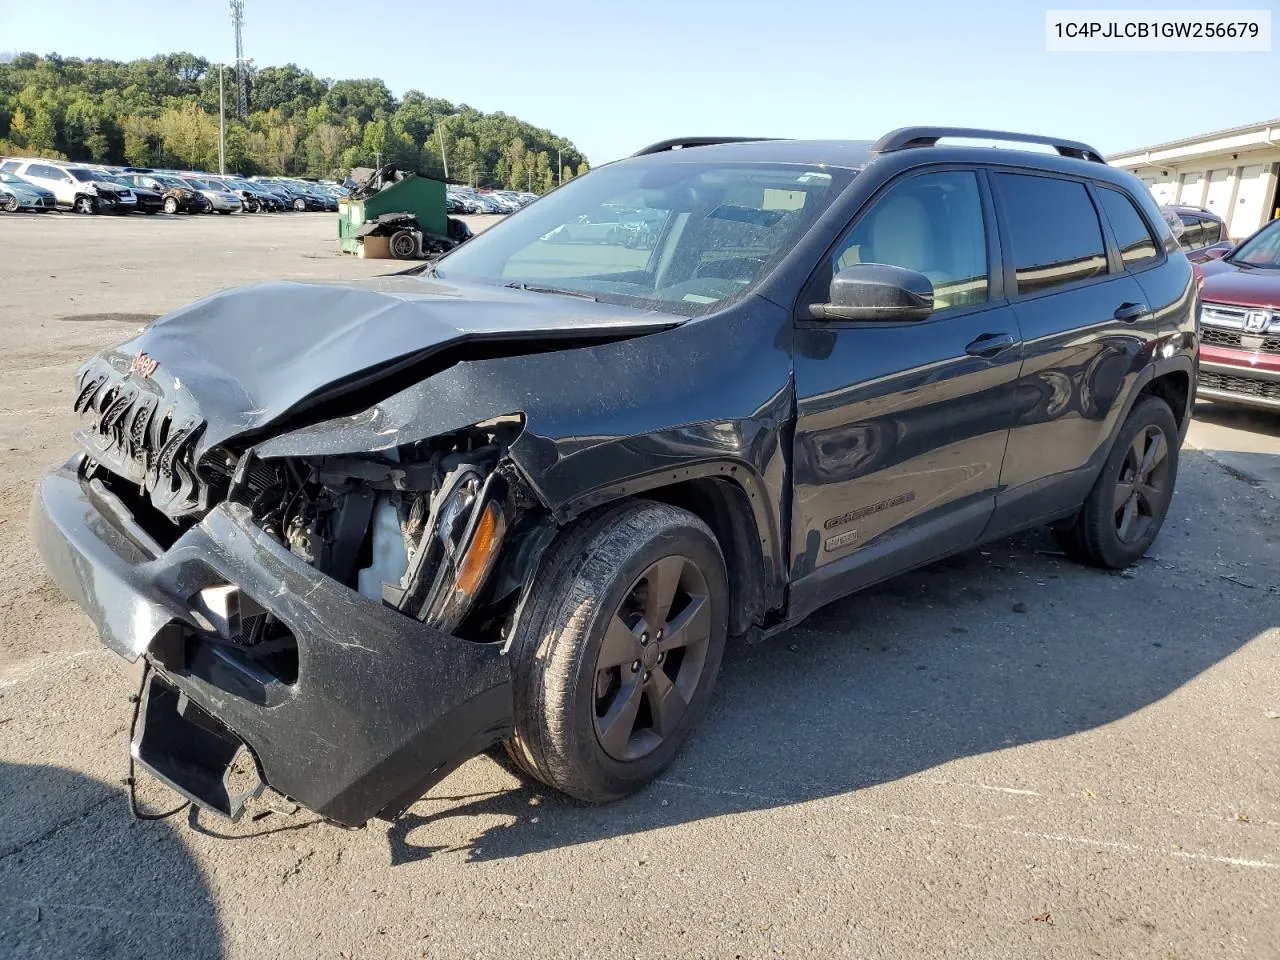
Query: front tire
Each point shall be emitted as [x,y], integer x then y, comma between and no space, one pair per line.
[170,205]
[616,656]
[11,204]
[85,205]
[300,205]
[1128,503]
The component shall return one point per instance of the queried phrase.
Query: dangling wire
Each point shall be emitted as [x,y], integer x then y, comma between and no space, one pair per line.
[130,781]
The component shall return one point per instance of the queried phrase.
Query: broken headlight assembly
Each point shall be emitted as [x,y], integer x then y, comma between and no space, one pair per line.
[419,528]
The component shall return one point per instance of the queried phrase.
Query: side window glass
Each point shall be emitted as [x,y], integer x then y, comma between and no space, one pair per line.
[1053,229]
[1136,244]
[932,224]
[1190,231]
[1212,232]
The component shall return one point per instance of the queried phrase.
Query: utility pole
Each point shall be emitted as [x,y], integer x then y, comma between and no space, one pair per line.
[443,157]
[242,65]
[222,126]
[559,168]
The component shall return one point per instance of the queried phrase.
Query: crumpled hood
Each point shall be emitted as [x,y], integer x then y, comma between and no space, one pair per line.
[244,358]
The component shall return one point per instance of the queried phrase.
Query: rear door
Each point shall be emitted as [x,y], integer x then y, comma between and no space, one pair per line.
[901,427]
[1085,322]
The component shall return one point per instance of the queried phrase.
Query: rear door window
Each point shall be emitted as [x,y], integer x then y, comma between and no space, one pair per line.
[1053,229]
[1134,239]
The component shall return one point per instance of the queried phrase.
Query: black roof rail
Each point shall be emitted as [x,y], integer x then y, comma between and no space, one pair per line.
[905,138]
[680,143]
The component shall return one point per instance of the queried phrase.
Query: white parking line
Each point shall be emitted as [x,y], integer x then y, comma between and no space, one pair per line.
[992,828]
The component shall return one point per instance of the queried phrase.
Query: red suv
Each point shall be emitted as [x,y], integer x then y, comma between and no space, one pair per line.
[1240,323]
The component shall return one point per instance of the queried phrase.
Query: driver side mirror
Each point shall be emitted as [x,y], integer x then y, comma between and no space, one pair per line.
[876,291]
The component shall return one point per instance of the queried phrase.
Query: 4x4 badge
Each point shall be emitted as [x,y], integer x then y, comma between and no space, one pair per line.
[143,365]
[1255,321]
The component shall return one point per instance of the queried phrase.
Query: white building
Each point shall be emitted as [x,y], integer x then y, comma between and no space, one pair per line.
[1231,172]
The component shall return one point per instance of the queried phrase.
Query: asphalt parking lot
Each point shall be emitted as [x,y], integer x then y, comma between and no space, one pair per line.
[1003,755]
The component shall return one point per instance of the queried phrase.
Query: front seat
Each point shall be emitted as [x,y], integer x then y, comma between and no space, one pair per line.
[901,235]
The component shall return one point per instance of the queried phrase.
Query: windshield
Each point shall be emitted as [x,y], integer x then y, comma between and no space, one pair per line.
[172,182]
[85,176]
[1263,250]
[198,184]
[6,177]
[675,236]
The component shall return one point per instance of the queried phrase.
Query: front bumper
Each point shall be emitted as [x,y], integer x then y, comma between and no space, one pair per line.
[381,708]
[1239,376]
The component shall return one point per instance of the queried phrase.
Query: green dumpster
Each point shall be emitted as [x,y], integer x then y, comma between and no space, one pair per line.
[421,196]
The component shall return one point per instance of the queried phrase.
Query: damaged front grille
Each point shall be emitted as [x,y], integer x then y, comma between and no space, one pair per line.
[133,430]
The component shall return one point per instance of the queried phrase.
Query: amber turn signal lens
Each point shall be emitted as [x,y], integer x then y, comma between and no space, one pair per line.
[480,551]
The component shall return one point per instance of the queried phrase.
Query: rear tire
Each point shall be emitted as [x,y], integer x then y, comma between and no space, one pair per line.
[1128,503]
[589,721]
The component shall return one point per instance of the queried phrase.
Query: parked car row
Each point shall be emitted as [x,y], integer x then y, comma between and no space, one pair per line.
[469,200]
[46,185]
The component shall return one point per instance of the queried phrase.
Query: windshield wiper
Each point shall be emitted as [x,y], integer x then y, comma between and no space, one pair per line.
[559,291]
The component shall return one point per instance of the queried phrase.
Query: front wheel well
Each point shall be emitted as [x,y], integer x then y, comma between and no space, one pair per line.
[1173,388]
[723,506]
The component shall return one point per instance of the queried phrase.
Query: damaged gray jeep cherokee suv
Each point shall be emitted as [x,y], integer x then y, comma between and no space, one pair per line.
[364,531]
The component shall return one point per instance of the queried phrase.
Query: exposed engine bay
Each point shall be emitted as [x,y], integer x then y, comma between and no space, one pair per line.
[420,530]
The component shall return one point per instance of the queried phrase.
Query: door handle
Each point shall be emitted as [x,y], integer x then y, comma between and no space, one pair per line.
[1129,312]
[989,344]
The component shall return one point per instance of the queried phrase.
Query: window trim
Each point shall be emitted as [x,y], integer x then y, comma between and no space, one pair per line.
[1110,252]
[995,274]
[1161,254]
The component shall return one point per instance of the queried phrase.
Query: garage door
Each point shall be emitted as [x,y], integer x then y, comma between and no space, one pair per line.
[1251,200]
[1163,188]
[1191,190]
[1218,196]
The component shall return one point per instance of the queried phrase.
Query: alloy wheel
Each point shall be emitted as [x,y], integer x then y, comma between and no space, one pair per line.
[651,659]
[11,203]
[1142,484]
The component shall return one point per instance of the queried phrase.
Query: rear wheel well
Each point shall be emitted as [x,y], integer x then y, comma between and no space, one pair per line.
[1173,388]
[723,506]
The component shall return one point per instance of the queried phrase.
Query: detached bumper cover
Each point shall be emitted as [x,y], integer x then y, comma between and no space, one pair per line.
[382,706]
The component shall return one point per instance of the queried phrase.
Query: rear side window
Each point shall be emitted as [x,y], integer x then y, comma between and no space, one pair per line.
[1054,231]
[1211,231]
[1136,244]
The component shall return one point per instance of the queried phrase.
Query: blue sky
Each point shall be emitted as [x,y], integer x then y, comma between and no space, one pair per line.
[613,76]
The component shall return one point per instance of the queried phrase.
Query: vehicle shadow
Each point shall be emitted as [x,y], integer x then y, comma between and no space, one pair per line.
[1239,418]
[993,648]
[74,884]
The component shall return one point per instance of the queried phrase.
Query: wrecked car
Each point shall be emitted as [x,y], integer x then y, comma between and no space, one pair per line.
[360,532]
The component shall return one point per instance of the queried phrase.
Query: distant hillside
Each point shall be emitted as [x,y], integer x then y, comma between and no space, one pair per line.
[163,111]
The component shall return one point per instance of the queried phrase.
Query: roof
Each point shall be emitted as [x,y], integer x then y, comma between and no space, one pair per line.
[1247,128]
[851,154]
[855,155]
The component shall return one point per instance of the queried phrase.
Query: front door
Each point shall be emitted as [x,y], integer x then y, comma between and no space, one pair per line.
[901,426]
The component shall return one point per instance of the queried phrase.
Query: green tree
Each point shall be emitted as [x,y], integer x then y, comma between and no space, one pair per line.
[41,134]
